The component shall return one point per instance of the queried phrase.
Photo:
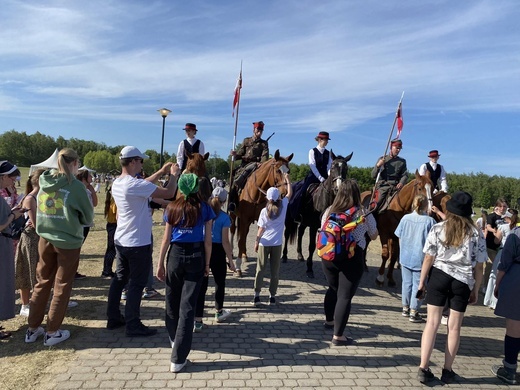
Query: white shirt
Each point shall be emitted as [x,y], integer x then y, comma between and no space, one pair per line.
[442,178]
[180,150]
[312,163]
[273,233]
[134,216]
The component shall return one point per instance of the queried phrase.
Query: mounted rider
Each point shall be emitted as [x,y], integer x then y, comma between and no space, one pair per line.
[437,172]
[393,174]
[253,151]
[189,145]
[320,161]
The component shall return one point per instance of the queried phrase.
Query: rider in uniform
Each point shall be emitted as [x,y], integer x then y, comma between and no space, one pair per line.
[437,172]
[320,161]
[394,174]
[253,151]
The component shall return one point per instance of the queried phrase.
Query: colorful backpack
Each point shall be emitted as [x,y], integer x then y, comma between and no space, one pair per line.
[335,237]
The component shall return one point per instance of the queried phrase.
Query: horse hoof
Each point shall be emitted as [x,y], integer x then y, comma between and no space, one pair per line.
[300,258]
[310,274]
[284,259]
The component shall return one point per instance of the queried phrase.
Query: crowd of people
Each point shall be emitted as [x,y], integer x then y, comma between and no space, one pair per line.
[450,260]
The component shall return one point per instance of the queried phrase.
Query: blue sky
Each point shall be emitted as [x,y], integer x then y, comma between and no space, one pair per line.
[99,70]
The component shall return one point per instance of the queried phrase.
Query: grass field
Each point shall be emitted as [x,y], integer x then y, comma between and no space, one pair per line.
[24,365]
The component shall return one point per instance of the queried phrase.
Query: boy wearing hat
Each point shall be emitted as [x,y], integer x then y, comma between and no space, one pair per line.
[253,150]
[133,237]
[437,172]
[191,145]
[393,172]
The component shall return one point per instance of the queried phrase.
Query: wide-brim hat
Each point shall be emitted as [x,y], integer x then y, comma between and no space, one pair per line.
[460,204]
[323,135]
[132,151]
[190,126]
[433,154]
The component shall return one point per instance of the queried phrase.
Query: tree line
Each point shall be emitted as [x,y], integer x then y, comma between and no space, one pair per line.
[25,150]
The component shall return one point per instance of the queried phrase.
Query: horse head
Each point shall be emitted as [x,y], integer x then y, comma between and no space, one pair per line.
[196,163]
[269,173]
[338,170]
[421,185]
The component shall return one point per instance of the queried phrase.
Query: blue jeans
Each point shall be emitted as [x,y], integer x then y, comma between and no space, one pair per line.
[132,267]
[184,273]
[409,288]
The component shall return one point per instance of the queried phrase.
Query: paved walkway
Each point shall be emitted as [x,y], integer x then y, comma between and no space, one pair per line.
[285,346]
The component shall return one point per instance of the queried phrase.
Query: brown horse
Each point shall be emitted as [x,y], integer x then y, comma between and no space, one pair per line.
[196,164]
[388,220]
[252,198]
[439,200]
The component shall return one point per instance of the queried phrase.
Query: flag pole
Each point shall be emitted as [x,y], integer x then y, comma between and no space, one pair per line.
[238,89]
[386,148]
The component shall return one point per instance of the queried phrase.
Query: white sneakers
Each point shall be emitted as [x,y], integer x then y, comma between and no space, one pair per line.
[177,367]
[222,315]
[24,311]
[48,340]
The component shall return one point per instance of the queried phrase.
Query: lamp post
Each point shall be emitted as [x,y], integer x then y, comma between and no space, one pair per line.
[164,113]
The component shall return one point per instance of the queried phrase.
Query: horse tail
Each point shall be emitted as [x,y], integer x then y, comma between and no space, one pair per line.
[291,229]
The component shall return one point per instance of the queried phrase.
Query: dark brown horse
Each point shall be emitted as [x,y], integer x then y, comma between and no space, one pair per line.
[196,164]
[388,220]
[252,198]
[312,207]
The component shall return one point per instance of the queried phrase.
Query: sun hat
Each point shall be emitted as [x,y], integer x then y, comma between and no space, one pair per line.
[6,168]
[188,184]
[273,194]
[131,151]
[219,193]
[460,204]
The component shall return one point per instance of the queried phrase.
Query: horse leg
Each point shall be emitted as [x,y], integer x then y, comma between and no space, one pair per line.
[380,279]
[393,259]
[284,251]
[301,232]
[312,247]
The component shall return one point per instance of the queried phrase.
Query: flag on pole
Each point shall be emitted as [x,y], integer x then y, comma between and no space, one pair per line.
[399,116]
[238,87]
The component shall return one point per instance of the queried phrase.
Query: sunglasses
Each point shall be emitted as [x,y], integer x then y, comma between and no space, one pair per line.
[139,159]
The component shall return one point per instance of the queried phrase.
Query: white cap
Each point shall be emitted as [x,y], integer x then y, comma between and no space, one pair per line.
[131,151]
[273,193]
[219,193]
[507,214]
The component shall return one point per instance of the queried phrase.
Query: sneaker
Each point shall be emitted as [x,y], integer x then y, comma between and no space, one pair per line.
[177,367]
[123,295]
[57,337]
[406,312]
[272,301]
[198,326]
[79,276]
[149,293]
[415,317]
[24,311]
[222,315]
[448,376]
[140,331]
[444,320]
[107,275]
[32,336]
[256,301]
[504,374]
[238,273]
[72,304]
[425,375]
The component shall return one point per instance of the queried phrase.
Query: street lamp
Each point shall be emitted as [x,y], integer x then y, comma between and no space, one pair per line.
[164,113]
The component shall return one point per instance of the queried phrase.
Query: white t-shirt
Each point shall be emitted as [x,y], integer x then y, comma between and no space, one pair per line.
[457,262]
[134,216]
[273,233]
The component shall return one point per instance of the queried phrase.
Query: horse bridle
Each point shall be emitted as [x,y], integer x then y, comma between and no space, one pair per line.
[272,170]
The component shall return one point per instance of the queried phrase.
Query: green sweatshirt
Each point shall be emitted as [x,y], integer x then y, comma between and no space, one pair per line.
[63,210]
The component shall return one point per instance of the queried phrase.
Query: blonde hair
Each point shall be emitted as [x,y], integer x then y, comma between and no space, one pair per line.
[420,203]
[65,158]
[456,229]
[273,207]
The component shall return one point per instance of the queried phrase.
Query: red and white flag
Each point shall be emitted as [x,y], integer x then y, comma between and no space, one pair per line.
[238,87]
[399,117]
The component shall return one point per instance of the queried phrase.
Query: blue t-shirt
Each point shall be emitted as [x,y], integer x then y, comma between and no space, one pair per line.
[222,221]
[412,232]
[195,233]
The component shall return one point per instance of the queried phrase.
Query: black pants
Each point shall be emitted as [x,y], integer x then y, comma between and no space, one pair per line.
[343,276]
[110,253]
[218,268]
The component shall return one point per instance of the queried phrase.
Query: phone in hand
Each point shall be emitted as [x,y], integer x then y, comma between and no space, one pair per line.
[284,169]
[420,294]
